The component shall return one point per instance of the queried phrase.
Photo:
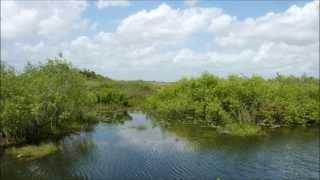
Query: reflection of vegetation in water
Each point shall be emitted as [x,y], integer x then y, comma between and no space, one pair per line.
[31,152]
[74,144]
[73,151]
[201,135]
[77,146]
[140,127]
[119,117]
[207,137]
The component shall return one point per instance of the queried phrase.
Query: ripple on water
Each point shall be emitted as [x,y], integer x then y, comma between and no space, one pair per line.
[122,152]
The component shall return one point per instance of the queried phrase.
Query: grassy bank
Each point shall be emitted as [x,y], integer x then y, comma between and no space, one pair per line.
[31,152]
[243,129]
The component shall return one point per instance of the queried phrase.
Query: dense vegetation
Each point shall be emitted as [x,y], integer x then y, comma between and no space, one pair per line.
[240,104]
[52,99]
[55,98]
[42,101]
[117,94]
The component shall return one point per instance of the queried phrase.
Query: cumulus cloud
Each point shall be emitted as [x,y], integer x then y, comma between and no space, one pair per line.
[297,25]
[165,23]
[157,44]
[267,60]
[15,20]
[102,4]
[31,48]
[20,19]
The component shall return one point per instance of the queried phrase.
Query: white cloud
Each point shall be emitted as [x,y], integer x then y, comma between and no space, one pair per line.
[102,4]
[155,44]
[31,48]
[15,20]
[21,19]
[221,23]
[267,60]
[188,58]
[165,24]
[297,25]
[50,25]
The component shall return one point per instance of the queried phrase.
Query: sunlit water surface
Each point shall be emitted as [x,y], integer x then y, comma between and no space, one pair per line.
[142,149]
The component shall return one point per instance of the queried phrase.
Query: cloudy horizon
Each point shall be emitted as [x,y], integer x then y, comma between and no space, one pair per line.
[165,40]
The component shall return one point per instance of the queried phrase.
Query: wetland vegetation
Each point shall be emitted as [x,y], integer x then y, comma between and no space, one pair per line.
[51,100]
[240,105]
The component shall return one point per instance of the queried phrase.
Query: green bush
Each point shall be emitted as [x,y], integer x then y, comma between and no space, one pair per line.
[41,101]
[110,96]
[281,101]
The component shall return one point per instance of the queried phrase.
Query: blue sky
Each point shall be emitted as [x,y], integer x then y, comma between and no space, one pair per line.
[109,19]
[242,9]
[165,40]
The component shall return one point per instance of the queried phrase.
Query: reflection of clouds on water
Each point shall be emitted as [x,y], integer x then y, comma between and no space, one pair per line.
[103,142]
[123,151]
[153,139]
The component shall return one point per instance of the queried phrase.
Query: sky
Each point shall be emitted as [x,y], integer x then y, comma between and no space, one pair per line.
[165,40]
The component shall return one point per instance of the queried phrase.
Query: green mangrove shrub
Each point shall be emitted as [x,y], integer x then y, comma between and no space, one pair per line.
[281,101]
[42,100]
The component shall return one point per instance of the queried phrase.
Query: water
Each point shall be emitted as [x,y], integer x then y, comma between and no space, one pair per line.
[142,149]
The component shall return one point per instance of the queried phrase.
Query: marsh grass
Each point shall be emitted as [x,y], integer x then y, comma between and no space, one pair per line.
[31,152]
[241,129]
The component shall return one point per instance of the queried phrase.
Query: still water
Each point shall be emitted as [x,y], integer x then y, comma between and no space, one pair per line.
[142,149]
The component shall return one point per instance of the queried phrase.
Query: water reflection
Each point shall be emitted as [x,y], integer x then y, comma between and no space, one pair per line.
[122,150]
[117,117]
[74,149]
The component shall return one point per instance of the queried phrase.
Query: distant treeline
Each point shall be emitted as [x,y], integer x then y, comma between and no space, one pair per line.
[241,101]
